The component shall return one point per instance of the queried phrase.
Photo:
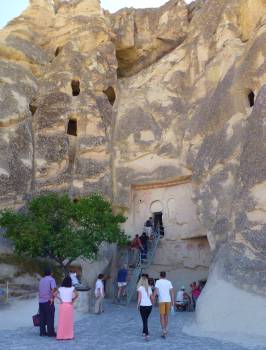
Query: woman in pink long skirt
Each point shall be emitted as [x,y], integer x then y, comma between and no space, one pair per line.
[67,295]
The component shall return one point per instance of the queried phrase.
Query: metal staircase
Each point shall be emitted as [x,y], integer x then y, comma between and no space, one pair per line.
[142,265]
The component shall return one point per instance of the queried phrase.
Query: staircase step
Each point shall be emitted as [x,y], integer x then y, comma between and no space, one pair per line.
[135,273]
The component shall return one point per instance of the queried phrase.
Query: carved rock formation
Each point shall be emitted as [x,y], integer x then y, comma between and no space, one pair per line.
[92,101]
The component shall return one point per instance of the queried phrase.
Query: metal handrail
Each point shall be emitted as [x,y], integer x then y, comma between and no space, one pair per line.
[142,265]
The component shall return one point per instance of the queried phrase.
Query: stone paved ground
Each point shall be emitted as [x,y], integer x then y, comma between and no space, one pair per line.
[118,328]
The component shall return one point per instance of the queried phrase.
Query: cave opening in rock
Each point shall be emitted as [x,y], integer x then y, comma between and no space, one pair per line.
[75,85]
[72,127]
[32,108]
[158,222]
[57,51]
[110,93]
[251,98]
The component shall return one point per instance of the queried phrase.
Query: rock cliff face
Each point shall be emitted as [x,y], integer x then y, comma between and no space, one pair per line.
[97,102]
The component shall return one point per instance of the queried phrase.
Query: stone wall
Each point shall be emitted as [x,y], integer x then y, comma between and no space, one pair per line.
[188,101]
[183,251]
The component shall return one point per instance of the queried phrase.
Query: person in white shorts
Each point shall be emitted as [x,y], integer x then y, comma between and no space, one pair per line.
[99,295]
[122,282]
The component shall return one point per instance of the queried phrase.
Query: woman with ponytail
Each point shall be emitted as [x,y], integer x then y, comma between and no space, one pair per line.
[144,303]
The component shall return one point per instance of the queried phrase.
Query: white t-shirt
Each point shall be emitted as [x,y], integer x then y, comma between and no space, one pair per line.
[180,295]
[73,276]
[163,286]
[66,294]
[99,285]
[145,297]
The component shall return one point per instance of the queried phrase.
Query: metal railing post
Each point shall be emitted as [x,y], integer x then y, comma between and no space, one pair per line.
[7,291]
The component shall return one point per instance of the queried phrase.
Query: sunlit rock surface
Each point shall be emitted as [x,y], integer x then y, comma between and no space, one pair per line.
[92,101]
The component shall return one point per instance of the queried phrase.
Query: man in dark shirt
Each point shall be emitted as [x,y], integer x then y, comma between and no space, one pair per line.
[144,241]
[122,282]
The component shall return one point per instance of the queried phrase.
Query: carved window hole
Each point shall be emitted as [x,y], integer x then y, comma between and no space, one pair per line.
[110,93]
[57,51]
[251,98]
[32,108]
[72,127]
[75,85]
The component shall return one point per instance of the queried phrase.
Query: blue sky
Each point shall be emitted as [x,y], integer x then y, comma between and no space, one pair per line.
[12,8]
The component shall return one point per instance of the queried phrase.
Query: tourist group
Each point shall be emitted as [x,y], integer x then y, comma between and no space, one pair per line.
[161,291]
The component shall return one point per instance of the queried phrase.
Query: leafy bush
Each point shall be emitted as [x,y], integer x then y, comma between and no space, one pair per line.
[54,226]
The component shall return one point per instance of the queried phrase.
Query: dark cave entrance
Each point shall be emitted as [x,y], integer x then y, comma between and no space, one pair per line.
[251,98]
[32,108]
[110,93]
[57,51]
[75,85]
[72,127]
[158,222]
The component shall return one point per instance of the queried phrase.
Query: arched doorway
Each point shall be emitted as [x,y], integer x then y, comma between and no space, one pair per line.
[156,209]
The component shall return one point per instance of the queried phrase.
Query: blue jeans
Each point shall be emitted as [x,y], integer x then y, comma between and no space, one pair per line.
[144,252]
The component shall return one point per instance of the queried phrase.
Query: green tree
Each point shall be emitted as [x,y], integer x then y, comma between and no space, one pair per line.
[54,226]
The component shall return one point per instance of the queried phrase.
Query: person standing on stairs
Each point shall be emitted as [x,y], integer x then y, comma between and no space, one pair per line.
[122,282]
[165,291]
[144,303]
[136,248]
[144,251]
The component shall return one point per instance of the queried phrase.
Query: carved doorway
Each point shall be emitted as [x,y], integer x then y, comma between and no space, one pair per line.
[158,222]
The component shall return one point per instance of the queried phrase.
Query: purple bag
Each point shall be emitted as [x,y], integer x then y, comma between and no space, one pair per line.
[36,320]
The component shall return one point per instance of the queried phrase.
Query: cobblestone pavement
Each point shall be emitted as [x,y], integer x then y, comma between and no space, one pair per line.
[118,328]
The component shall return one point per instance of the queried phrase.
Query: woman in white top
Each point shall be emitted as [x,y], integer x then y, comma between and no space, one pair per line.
[99,295]
[144,303]
[66,295]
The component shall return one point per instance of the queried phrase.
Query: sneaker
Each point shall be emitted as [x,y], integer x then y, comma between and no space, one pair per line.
[147,337]
[164,334]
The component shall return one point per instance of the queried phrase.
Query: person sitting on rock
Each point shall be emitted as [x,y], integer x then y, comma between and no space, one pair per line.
[183,300]
[74,279]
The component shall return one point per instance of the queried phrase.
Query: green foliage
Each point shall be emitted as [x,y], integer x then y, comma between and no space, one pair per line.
[29,265]
[54,226]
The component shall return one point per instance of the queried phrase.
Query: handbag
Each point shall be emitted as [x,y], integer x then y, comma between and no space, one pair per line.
[36,320]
